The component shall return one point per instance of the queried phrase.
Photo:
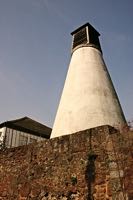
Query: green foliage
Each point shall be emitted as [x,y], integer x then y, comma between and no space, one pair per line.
[3,145]
[74,180]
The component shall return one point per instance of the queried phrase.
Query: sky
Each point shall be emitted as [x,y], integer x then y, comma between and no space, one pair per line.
[35,51]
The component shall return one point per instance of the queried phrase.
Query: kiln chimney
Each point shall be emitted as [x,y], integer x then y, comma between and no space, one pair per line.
[88,99]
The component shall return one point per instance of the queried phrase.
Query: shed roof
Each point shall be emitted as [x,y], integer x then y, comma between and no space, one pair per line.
[28,125]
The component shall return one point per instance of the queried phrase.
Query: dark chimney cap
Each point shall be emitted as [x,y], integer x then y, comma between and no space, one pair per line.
[83,26]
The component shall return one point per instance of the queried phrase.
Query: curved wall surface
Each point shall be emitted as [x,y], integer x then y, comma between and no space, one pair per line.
[88,98]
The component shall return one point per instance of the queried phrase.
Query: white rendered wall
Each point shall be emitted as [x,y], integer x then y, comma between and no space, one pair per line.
[88,98]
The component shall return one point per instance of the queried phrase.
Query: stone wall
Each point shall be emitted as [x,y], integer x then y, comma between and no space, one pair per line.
[92,164]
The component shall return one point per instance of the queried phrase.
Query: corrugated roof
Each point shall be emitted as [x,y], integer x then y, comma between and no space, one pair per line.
[28,125]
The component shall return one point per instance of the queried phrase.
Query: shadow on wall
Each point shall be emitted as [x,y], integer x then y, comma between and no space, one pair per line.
[90,174]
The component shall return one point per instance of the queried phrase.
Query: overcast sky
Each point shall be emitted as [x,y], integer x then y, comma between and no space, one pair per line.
[35,45]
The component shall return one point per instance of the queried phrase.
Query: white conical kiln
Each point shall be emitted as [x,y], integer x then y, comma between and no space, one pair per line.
[88,99]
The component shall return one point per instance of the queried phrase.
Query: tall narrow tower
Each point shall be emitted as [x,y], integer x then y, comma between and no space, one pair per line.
[88,99]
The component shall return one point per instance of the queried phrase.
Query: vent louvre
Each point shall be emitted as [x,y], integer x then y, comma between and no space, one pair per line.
[80,37]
